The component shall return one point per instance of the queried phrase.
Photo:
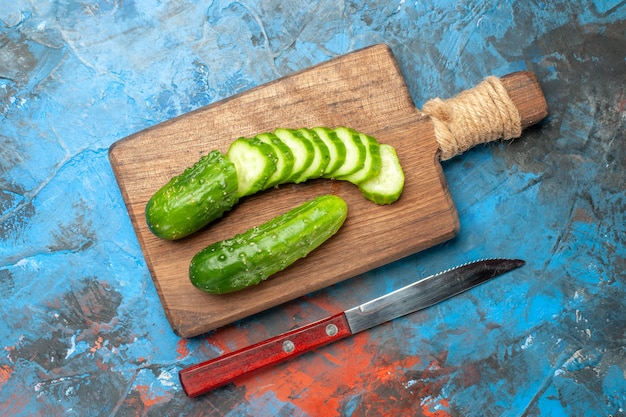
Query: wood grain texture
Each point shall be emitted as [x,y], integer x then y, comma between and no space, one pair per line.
[363,90]
[526,94]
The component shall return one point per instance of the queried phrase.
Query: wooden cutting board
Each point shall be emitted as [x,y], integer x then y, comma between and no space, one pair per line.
[363,90]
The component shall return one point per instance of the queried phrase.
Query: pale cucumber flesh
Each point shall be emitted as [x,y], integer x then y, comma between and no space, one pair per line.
[302,149]
[270,159]
[255,162]
[321,155]
[355,153]
[336,148]
[298,155]
[386,187]
[284,159]
[371,166]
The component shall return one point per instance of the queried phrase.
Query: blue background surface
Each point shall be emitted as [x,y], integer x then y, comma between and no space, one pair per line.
[82,329]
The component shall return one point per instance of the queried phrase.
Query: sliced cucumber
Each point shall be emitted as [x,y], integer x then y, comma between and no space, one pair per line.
[336,148]
[355,153]
[386,187]
[255,162]
[321,157]
[284,159]
[372,165]
[303,153]
[192,200]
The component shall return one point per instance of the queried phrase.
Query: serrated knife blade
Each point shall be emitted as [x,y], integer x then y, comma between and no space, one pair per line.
[204,377]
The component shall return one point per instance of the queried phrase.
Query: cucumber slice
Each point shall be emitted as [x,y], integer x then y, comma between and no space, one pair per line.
[355,153]
[321,158]
[302,149]
[255,161]
[372,165]
[386,187]
[336,148]
[284,159]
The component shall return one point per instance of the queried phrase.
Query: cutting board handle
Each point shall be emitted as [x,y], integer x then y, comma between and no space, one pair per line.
[497,108]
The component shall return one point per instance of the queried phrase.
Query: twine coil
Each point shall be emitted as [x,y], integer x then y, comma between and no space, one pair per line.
[482,114]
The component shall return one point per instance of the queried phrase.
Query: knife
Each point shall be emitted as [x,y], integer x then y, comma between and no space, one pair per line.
[204,377]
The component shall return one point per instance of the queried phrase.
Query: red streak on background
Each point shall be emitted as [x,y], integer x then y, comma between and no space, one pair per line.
[324,382]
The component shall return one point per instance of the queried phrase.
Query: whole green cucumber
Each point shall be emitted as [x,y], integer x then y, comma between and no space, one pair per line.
[251,257]
[191,200]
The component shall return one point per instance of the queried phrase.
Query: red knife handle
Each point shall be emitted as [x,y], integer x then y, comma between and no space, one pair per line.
[201,378]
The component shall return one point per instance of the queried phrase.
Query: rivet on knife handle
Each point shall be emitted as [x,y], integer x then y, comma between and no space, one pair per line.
[497,108]
[199,379]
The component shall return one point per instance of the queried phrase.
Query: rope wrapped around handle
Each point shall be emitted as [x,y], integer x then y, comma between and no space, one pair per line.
[497,108]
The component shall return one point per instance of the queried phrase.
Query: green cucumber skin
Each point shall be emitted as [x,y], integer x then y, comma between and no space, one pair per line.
[321,157]
[248,184]
[386,187]
[372,164]
[336,148]
[284,161]
[302,156]
[193,199]
[355,153]
[253,256]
